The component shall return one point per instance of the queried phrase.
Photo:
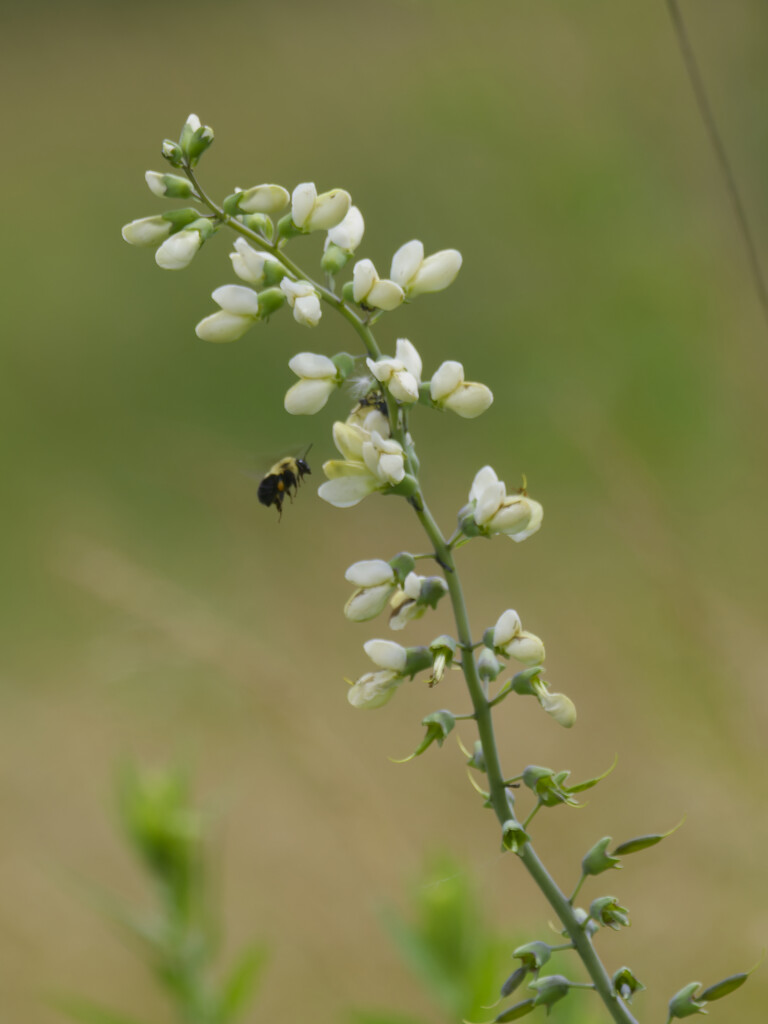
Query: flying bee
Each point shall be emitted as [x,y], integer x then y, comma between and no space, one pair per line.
[283,478]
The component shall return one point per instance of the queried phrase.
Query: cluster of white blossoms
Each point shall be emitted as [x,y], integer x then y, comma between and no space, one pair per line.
[491,510]
[371,462]
[377,586]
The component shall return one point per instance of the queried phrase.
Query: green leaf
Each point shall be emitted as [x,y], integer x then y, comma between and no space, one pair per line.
[240,987]
[724,987]
[89,1013]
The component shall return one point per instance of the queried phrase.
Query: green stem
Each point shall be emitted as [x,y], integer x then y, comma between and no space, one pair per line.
[575,892]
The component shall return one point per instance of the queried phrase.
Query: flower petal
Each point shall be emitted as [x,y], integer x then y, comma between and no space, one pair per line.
[236,298]
[436,272]
[406,262]
[223,326]
[311,364]
[302,203]
[347,491]
[386,654]
[307,396]
[469,400]
[370,573]
[409,356]
[448,376]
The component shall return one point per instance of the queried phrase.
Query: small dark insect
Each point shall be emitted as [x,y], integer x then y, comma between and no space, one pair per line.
[283,478]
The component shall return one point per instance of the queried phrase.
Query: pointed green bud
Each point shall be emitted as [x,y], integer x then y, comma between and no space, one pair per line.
[195,138]
[516,1012]
[548,786]
[172,153]
[270,300]
[513,836]
[488,665]
[625,984]
[580,787]
[598,860]
[684,1003]
[438,725]
[533,955]
[607,911]
[724,987]
[514,981]
[549,990]
[643,842]
[402,565]
[335,259]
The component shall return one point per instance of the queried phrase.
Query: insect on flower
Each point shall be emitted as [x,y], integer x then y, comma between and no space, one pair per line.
[283,478]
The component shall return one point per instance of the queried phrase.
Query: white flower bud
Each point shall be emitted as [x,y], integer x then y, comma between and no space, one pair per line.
[368,602]
[449,390]
[370,290]
[349,233]
[386,654]
[147,231]
[303,300]
[560,707]
[248,263]
[515,515]
[318,382]
[374,689]
[313,212]
[264,199]
[370,573]
[384,458]
[239,311]
[178,251]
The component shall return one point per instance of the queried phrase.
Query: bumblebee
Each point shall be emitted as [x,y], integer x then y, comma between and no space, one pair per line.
[283,478]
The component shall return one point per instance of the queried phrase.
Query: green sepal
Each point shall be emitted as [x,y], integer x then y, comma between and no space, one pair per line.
[607,911]
[684,1003]
[533,955]
[231,205]
[407,487]
[195,142]
[488,666]
[643,842]
[402,564]
[513,836]
[261,223]
[516,1012]
[522,682]
[205,226]
[580,787]
[724,987]
[177,187]
[417,659]
[550,990]
[273,272]
[270,300]
[625,984]
[488,638]
[433,589]
[344,363]
[286,228]
[334,259]
[467,524]
[348,292]
[181,218]
[477,758]
[548,785]
[438,725]
[425,395]
[172,152]
[597,860]
[240,985]
[514,981]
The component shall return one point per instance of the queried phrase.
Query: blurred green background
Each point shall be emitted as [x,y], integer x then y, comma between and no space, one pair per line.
[152,608]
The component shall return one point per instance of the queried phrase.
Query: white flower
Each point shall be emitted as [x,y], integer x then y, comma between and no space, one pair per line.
[417,275]
[239,311]
[263,199]
[387,654]
[303,300]
[401,375]
[370,290]
[449,390]
[375,580]
[526,648]
[313,212]
[171,185]
[370,418]
[507,627]
[349,233]
[406,606]
[374,689]
[370,464]
[318,381]
[179,250]
[385,458]
[147,231]
[515,515]
[560,707]
[249,264]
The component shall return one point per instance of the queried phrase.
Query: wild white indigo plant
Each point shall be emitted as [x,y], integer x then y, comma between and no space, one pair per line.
[378,454]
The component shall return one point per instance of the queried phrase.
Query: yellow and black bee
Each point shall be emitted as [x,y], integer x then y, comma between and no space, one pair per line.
[283,478]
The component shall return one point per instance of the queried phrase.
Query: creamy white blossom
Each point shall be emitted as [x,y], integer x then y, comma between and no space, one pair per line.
[313,212]
[303,300]
[370,290]
[507,627]
[147,231]
[374,689]
[401,375]
[560,707]
[318,380]
[178,251]
[385,458]
[417,275]
[387,654]
[348,234]
[449,390]
[263,199]
[371,463]
[249,264]
[406,604]
[515,515]
[375,580]
[239,311]
[527,648]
